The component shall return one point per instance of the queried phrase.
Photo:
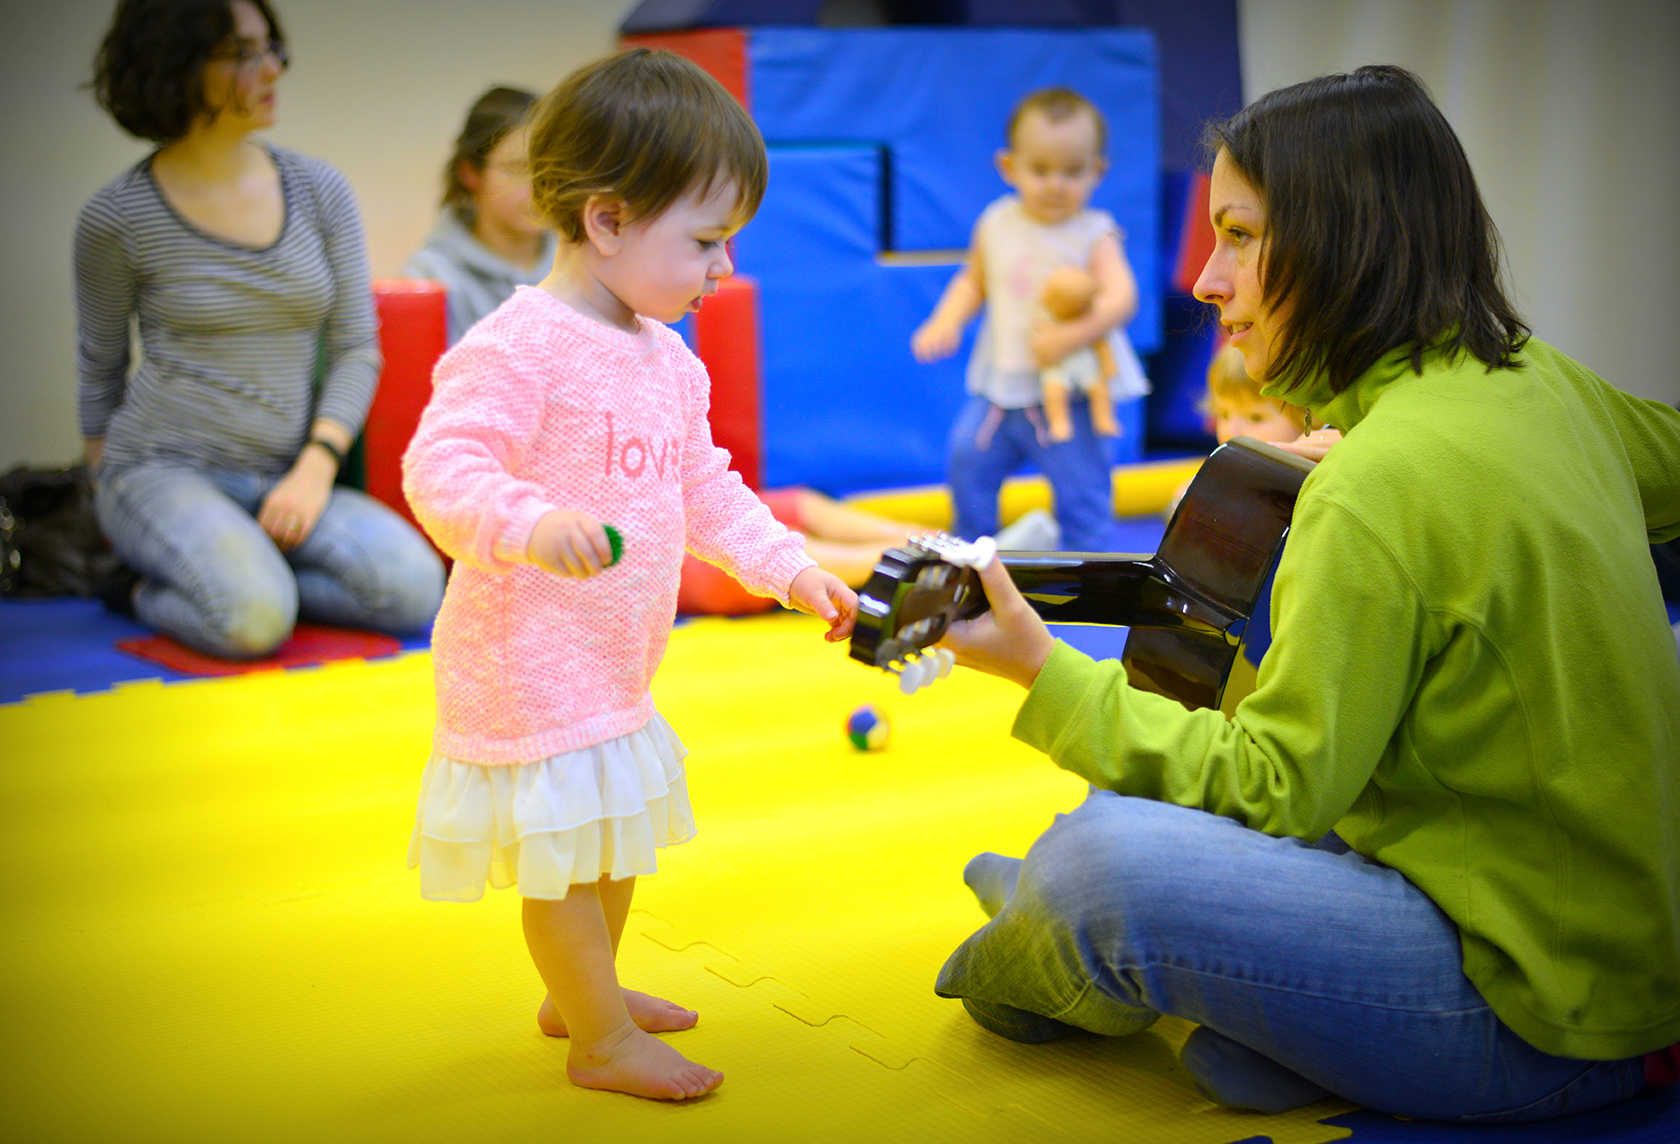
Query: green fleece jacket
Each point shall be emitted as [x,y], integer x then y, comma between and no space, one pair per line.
[1472,680]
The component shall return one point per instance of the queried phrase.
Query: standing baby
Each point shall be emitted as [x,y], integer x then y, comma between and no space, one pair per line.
[1053,162]
[570,407]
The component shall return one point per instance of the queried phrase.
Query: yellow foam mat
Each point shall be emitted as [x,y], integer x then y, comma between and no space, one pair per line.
[209,933]
[1143,488]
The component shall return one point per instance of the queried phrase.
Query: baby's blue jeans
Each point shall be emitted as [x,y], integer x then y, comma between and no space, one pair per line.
[1311,970]
[215,581]
[988,446]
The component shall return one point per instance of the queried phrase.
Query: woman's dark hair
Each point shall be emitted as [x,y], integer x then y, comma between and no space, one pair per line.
[1376,235]
[645,127]
[147,72]
[494,114]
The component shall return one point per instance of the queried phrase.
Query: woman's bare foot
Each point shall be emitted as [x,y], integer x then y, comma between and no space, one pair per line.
[652,1014]
[630,1060]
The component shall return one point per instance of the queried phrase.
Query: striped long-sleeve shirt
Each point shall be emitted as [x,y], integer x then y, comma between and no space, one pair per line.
[230,336]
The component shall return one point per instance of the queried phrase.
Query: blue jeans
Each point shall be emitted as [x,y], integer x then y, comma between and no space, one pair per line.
[1311,970]
[988,445]
[214,580]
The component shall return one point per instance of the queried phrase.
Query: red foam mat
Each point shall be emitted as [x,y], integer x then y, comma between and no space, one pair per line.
[309,645]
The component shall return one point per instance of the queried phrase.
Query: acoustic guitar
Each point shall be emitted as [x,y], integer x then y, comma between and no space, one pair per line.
[1187,606]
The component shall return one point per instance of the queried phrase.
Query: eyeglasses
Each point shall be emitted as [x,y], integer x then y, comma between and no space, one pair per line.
[248,55]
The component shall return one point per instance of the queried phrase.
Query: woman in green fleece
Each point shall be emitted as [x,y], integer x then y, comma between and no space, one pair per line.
[1432,864]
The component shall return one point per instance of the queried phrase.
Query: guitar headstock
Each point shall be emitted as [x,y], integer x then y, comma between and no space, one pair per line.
[914,595]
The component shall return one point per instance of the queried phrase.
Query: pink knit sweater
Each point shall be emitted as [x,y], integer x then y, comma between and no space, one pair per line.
[536,408]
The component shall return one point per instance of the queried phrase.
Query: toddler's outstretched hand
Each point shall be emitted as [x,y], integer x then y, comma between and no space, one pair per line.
[935,341]
[825,596]
[569,543]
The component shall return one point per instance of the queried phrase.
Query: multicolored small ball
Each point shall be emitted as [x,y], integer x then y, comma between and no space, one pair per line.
[868,728]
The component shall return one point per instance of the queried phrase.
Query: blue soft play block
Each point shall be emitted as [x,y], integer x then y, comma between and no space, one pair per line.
[845,406]
[882,148]
[938,99]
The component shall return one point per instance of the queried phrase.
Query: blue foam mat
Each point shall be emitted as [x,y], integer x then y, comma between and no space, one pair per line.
[65,643]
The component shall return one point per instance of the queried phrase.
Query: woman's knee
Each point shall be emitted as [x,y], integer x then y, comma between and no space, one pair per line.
[414,587]
[393,573]
[1114,856]
[255,626]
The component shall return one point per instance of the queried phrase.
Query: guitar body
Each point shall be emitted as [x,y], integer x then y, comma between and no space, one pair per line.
[1187,606]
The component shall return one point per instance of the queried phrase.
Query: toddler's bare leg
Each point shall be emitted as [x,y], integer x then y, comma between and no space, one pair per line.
[572,945]
[822,517]
[654,1014]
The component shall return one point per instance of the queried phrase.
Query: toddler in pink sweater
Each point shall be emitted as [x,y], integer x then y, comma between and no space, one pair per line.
[570,407]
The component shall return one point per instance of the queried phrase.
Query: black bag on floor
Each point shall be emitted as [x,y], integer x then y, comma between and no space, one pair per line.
[50,543]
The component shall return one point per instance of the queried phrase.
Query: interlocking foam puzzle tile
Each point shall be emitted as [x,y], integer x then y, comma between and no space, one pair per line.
[207,934]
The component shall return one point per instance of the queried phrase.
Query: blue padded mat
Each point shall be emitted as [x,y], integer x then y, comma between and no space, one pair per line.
[69,644]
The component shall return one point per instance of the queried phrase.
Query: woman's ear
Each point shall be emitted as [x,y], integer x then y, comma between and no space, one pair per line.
[471,176]
[604,219]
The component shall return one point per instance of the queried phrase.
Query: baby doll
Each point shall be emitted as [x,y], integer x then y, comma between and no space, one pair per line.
[1067,295]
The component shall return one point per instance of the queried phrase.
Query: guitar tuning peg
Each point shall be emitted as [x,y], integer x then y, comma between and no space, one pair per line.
[918,673]
[975,554]
[945,659]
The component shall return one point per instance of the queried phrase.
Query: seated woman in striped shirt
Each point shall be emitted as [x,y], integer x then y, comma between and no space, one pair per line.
[244,266]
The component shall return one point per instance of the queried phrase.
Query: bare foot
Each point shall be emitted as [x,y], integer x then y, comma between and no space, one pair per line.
[653,1014]
[640,1064]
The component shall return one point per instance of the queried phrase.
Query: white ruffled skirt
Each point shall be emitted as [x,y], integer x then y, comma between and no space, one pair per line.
[573,817]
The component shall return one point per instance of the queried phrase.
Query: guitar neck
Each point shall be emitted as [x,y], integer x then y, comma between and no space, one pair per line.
[1113,589]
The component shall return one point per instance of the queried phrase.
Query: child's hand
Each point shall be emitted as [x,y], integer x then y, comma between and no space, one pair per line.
[1053,341]
[569,543]
[825,596]
[1313,446]
[935,340]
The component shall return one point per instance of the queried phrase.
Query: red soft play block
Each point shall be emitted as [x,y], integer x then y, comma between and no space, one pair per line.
[413,333]
[726,339]
[1196,241]
[720,52]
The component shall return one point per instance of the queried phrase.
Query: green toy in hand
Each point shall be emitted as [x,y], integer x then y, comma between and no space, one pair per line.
[617,541]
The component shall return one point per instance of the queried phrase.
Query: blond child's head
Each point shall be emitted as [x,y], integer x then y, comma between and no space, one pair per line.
[1056,154]
[1239,409]
[646,128]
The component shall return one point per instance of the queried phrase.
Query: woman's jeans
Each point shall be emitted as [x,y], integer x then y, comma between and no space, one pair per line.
[215,581]
[1311,970]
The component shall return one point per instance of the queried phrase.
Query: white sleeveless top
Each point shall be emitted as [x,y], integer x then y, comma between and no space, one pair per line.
[1019,255]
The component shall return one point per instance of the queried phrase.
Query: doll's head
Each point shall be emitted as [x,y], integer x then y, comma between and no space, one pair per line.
[645,128]
[1067,293]
[1056,154]
[1238,408]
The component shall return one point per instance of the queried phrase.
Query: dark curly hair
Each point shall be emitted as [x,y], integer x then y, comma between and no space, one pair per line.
[147,71]
[1375,231]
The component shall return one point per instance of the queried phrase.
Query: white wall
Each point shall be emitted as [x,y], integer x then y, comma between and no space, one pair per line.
[377,88]
[1570,111]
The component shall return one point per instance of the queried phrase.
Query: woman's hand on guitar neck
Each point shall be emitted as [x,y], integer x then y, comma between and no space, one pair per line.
[1009,640]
